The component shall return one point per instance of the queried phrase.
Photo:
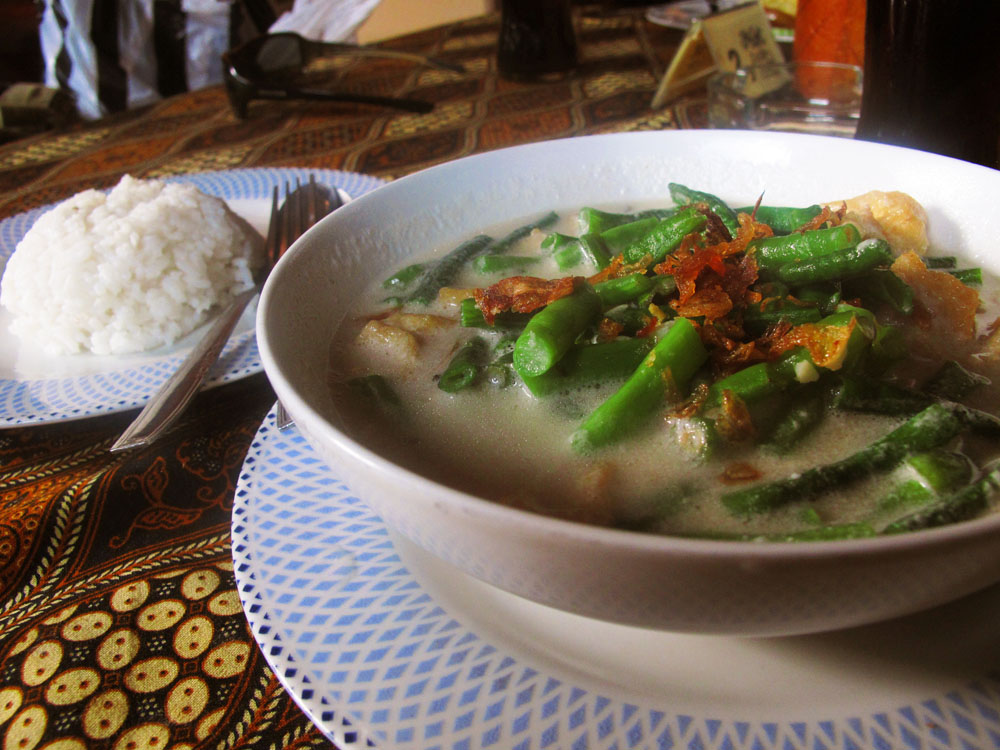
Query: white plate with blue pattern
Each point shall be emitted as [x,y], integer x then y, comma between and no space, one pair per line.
[384,646]
[38,388]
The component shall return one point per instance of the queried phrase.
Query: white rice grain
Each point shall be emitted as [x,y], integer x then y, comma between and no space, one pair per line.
[126,271]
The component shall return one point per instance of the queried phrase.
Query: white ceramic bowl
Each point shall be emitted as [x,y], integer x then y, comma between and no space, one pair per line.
[660,582]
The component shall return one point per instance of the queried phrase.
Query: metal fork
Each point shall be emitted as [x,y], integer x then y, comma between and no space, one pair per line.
[303,207]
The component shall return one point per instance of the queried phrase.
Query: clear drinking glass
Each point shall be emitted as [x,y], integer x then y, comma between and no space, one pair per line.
[807,97]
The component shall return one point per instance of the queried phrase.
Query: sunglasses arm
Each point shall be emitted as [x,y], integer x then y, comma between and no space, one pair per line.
[407,105]
[364,51]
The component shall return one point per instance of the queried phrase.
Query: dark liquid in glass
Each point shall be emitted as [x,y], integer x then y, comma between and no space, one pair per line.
[537,39]
[932,73]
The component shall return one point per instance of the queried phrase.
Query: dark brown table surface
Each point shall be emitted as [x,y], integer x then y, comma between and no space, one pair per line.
[107,561]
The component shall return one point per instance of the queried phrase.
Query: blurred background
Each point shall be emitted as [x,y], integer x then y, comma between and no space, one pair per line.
[394,17]
[149,49]
[21,55]
[20,51]
[66,60]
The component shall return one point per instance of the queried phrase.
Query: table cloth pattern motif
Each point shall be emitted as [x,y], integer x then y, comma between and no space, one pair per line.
[120,625]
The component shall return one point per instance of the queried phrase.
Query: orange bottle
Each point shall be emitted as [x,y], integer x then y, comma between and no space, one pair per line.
[830,31]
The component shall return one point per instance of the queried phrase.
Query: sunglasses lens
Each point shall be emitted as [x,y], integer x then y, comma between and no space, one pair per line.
[269,56]
[279,54]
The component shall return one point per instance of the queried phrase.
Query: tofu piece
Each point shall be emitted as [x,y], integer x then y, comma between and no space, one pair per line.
[453,296]
[892,216]
[388,344]
[952,305]
[421,323]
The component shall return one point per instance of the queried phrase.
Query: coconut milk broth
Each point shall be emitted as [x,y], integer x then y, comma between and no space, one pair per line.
[508,446]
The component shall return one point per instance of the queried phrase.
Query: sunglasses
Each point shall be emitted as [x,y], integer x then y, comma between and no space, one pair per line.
[274,66]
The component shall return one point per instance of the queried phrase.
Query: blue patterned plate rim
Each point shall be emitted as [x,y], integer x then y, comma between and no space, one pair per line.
[383,647]
[128,384]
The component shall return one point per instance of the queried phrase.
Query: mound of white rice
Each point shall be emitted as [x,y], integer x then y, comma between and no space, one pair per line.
[133,269]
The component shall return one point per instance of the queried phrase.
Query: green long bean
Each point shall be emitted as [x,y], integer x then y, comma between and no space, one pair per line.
[941,261]
[782,219]
[569,252]
[933,427]
[837,265]
[465,366]
[909,494]
[774,252]
[881,286]
[553,330]
[759,316]
[618,238]
[683,195]
[878,397]
[404,277]
[605,362]
[375,392]
[801,416]
[764,379]
[598,221]
[940,470]
[664,374]
[969,276]
[760,380]
[470,316]
[962,505]
[506,242]
[872,396]
[665,237]
[445,271]
[624,289]
[953,382]
[824,296]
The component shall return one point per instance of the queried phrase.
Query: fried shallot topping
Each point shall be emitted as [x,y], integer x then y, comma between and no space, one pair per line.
[710,302]
[734,422]
[691,405]
[740,472]
[827,345]
[715,229]
[826,216]
[618,269]
[608,329]
[523,294]
[687,263]
[750,230]
[714,279]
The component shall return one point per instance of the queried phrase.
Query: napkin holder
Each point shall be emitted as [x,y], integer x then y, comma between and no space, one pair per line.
[725,41]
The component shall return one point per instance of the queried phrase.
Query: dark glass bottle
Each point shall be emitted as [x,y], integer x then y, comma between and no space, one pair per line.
[932,70]
[537,39]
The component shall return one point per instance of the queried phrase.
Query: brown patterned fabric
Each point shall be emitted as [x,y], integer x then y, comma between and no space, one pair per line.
[120,625]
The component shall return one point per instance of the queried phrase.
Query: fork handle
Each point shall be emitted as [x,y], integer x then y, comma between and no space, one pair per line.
[163,408]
